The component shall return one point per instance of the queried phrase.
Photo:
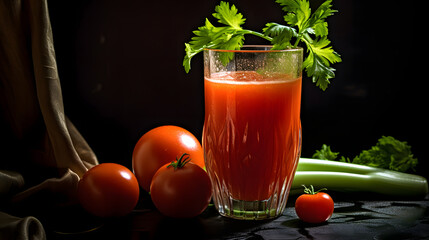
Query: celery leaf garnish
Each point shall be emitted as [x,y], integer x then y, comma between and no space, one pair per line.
[303,25]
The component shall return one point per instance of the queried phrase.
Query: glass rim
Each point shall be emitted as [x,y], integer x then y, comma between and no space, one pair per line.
[261,50]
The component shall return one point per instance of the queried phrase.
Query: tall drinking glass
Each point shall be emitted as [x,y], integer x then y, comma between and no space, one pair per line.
[252,128]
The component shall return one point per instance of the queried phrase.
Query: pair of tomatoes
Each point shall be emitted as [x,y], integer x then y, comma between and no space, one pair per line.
[168,162]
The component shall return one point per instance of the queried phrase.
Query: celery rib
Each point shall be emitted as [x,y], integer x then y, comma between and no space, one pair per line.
[348,177]
[308,164]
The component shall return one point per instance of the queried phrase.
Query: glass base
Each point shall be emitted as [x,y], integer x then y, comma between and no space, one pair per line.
[249,210]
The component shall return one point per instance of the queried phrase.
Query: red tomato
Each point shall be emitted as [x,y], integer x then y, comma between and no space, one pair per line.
[108,190]
[181,191]
[162,145]
[314,207]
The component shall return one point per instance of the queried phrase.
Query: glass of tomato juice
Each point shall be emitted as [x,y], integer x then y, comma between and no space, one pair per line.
[252,128]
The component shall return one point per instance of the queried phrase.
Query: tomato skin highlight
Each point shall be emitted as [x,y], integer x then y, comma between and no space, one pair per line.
[181,193]
[162,145]
[314,208]
[108,190]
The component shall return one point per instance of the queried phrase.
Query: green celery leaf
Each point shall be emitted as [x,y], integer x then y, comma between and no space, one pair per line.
[235,42]
[317,19]
[187,59]
[321,47]
[388,153]
[325,153]
[318,70]
[225,37]
[281,35]
[317,63]
[321,29]
[297,12]
[229,15]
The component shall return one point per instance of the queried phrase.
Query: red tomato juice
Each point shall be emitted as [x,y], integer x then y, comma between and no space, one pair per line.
[251,134]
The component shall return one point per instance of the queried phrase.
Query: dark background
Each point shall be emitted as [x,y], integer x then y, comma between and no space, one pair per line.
[120,65]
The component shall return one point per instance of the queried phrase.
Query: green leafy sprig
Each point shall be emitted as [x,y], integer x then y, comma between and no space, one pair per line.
[388,153]
[303,26]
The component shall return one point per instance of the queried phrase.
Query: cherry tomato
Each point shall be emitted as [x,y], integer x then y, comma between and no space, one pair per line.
[108,190]
[181,189]
[162,145]
[314,207]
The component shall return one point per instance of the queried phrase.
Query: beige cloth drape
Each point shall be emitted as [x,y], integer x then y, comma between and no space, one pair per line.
[41,151]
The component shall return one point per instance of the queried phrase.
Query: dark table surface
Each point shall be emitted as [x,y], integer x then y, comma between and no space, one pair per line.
[371,218]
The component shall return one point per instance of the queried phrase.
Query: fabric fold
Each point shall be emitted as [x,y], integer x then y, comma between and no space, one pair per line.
[43,153]
[12,227]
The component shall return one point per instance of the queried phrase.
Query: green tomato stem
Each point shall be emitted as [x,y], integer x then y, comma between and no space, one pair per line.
[181,162]
[311,191]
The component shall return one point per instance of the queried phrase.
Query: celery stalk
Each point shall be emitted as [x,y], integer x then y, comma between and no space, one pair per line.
[349,177]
